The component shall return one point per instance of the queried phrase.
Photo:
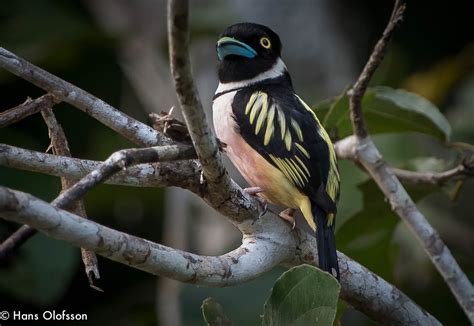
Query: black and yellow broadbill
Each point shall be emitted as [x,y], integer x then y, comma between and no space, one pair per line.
[273,138]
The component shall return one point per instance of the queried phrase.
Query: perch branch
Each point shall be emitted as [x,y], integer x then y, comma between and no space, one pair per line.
[269,245]
[135,131]
[370,158]
[26,109]
[202,136]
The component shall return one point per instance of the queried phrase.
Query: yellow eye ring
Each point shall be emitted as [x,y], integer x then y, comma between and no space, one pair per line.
[265,42]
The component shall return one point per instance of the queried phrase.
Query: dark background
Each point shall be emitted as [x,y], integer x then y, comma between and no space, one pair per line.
[325,45]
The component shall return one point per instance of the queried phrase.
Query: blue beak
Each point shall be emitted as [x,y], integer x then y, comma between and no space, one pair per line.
[230,46]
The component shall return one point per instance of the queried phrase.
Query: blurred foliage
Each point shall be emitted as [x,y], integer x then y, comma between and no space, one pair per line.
[431,56]
[386,110]
[213,313]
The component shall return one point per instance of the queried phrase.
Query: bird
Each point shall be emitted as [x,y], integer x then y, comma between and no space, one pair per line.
[273,138]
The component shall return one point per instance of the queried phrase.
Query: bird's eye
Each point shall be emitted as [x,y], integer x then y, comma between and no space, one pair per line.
[265,42]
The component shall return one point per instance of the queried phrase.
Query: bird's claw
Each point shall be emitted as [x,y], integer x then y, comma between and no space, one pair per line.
[288,216]
[254,191]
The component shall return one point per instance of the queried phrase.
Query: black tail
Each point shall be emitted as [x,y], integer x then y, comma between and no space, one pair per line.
[326,243]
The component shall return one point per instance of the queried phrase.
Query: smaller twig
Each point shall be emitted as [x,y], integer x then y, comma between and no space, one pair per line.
[27,108]
[432,178]
[171,127]
[358,90]
[60,146]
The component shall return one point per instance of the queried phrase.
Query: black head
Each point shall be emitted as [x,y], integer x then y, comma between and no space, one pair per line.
[246,50]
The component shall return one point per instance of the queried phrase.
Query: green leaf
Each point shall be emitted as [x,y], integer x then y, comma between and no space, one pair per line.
[303,295]
[386,110]
[213,313]
[367,236]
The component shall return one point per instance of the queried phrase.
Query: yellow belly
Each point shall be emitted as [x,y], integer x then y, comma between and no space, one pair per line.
[258,172]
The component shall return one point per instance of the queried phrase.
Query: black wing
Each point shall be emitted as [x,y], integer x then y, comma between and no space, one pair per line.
[275,122]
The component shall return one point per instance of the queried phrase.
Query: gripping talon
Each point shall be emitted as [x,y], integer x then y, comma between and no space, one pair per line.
[288,216]
[254,191]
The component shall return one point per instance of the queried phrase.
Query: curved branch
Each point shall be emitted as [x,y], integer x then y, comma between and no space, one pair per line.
[357,91]
[370,158]
[142,175]
[135,131]
[202,136]
[269,245]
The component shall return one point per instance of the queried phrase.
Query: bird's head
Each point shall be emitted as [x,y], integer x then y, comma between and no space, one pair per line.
[246,50]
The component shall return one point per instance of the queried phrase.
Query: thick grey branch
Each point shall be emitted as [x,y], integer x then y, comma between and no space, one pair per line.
[270,244]
[133,130]
[142,175]
[201,134]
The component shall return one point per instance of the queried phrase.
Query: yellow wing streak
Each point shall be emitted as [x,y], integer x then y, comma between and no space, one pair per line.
[270,126]
[302,150]
[263,113]
[251,102]
[282,121]
[332,185]
[297,129]
[293,167]
[303,165]
[291,172]
[256,107]
[297,166]
[288,140]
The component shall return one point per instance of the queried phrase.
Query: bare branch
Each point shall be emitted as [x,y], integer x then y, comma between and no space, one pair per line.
[428,237]
[135,131]
[269,244]
[357,91]
[60,146]
[369,157]
[27,108]
[142,175]
[202,136]
[119,161]
[346,149]
[433,178]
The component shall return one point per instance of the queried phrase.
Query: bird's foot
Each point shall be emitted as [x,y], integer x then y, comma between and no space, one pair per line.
[222,146]
[288,216]
[254,191]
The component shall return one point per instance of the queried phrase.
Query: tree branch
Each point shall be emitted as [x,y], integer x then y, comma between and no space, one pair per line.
[135,131]
[142,175]
[60,146]
[203,138]
[26,109]
[357,91]
[369,157]
[269,245]
[346,149]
